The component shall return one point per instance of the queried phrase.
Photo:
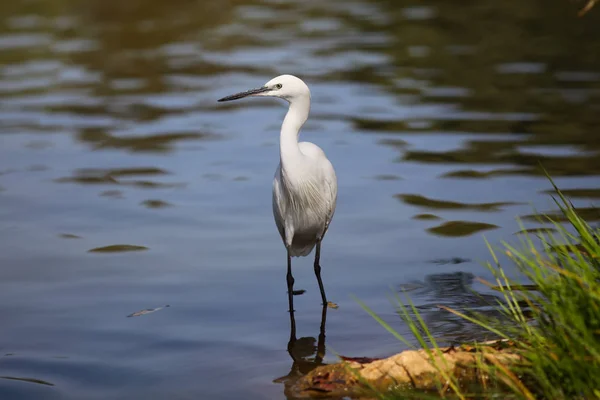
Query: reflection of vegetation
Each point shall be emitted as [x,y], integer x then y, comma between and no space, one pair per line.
[581,193]
[587,213]
[460,228]
[422,201]
[385,177]
[115,194]
[531,78]
[69,236]
[426,217]
[122,172]
[117,248]
[473,174]
[159,142]
[523,70]
[155,203]
[453,260]
[115,177]
[108,58]
[541,230]
[30,380]
[561,165]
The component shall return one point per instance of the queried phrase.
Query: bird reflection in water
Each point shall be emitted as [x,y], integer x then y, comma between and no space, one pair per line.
[305,355]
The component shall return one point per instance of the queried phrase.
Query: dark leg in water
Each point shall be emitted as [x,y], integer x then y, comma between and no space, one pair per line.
[318,272]
[290,287]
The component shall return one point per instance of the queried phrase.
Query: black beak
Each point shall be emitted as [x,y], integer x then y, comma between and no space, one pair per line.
[247,93]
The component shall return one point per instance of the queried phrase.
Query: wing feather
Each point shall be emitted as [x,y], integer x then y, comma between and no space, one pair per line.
[304,200]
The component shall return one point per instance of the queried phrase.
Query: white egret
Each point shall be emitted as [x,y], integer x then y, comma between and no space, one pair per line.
[305,184]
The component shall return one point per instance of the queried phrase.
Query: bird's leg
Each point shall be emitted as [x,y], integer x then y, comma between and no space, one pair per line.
[318,273]
[290,283]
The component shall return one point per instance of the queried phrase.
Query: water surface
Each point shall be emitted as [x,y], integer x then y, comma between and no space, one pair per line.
[111,140]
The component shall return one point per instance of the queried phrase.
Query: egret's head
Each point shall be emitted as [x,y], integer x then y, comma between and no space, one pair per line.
[287,87]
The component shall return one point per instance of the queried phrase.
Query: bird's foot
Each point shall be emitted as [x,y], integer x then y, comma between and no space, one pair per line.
[331,304]
[298,292]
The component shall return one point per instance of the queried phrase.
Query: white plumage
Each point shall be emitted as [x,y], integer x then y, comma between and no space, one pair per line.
[304,199]
[305,184]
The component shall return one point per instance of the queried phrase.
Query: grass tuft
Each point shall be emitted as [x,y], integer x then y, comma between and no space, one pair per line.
[553,319]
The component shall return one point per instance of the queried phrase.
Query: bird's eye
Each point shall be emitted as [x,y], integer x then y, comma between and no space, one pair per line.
[279,86]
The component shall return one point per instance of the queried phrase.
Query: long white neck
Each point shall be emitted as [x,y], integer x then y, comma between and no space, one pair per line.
[290,130]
